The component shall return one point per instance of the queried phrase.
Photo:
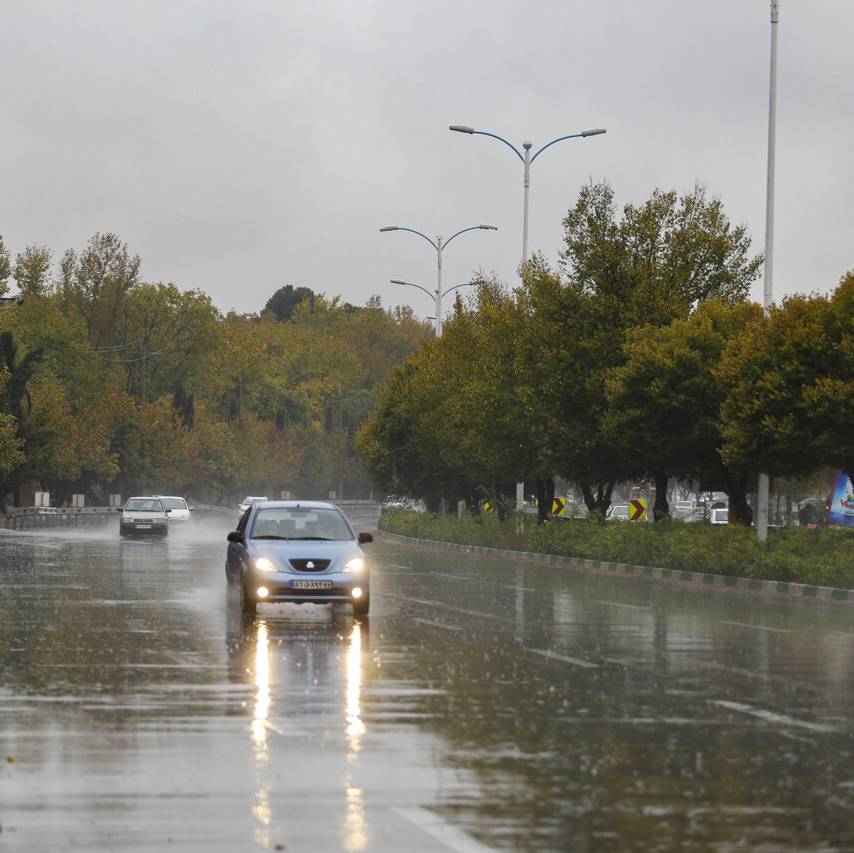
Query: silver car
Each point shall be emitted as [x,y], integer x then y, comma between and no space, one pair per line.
[298,551]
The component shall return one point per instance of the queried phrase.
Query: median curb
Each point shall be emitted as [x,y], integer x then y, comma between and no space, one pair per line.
[700,580]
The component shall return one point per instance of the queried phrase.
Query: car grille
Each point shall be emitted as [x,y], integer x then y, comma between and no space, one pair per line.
[310,565]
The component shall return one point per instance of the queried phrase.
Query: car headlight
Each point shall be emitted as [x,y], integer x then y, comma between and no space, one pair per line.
[356,566]
[264,565]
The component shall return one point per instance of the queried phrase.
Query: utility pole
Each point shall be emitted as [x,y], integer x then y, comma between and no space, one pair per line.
[768,278]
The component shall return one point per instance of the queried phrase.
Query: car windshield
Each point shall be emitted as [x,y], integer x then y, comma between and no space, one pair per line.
[144,505]
[174,503]
[722,514]
[293,523]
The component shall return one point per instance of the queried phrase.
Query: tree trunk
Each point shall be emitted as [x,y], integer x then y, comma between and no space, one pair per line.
[545,497]
[662,506]
[598,503]
[739,510]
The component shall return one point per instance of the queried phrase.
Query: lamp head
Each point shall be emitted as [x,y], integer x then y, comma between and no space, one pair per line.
[461,128]
[594,131]
[488,227]
[389,228]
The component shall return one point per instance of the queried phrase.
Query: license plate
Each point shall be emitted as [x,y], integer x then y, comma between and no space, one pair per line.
[143,527]
[311,584]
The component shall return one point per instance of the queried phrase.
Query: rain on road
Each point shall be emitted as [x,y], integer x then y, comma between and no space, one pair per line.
[487,705]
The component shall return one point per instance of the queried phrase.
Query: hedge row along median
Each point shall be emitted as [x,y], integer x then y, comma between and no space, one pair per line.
[823,557]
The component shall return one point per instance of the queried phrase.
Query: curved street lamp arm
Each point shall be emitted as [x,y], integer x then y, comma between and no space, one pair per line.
[510,145]
[555,141]
[413,231]
[458,286]
[410,284]
[463,231]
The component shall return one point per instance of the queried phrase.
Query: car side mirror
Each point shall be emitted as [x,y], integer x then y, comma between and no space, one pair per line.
[119,509]
[191,508]
[364,538]
[235,536]
[168,512]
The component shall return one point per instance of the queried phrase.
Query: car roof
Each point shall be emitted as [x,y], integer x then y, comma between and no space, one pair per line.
[172,497]
[297,504]
[145,497]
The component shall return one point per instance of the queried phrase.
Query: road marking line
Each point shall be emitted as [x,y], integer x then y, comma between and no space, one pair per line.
[438,625]
[449,575]
[565,658]
[620,604]
[522,588]
[772,716]
[398,566]
[430,603]
[758,627]
[443,832]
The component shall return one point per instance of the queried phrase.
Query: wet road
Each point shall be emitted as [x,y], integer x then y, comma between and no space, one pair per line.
[487,706]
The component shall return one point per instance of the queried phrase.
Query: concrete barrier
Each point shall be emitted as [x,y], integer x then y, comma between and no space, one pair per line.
[36,517]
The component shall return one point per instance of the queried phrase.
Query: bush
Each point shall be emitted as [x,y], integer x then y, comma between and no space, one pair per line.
[822,556]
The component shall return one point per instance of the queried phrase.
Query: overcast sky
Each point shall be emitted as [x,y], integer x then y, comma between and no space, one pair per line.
[240,146]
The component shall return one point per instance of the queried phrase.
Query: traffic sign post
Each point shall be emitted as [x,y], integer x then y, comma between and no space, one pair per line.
[637,509]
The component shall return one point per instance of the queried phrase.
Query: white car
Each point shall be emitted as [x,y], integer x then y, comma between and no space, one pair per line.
[720,515]
[248,501]
[617,512]
[145,515]
[177,506]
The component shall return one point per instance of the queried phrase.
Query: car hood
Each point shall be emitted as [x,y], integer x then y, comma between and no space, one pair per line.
[281,551]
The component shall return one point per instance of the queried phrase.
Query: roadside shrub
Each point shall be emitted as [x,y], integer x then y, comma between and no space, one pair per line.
[820,556]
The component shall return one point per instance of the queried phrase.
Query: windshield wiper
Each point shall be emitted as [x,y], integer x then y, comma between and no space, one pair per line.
[270,536]
[314,538]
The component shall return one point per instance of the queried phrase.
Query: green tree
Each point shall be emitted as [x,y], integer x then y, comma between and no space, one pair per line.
[5,267]
[32,270]
[284,301]
[664,402]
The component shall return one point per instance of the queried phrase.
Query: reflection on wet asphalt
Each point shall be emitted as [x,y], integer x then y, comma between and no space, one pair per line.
[486,706]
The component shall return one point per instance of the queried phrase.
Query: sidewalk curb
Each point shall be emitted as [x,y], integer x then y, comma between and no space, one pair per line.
[702,580]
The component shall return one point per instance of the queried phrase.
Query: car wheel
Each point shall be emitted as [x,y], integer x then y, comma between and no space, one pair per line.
[248,603]
[361,607]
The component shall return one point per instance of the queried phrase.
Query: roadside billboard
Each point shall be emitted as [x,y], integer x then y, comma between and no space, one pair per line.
[842,501]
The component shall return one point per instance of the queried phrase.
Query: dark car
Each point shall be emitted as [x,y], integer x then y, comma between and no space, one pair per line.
[298,551]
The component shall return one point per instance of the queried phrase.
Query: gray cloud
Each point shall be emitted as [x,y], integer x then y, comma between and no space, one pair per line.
[241,146]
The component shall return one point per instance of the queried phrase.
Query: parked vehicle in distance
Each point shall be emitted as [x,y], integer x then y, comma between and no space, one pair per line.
[146,515]
[617,512]
[179,511]
[298,551]
[683,508]
[248,501]
[719,515]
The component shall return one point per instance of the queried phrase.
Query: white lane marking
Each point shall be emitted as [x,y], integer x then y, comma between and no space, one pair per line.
[449,575]
[438,625]
[397,565]
[565,658]
[847,634]
[772,716]
[431,603]
[620,604]
[522,588]
[443,832]
[757,627]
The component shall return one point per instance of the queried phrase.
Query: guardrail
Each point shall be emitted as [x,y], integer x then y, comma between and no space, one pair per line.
[35,517]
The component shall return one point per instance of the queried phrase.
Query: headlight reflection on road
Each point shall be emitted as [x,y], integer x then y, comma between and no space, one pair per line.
[261,807]
[355,726]
[355,829]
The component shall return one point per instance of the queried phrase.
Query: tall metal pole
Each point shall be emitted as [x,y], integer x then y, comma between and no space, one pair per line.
[439,288]
[527,187]
[763,489]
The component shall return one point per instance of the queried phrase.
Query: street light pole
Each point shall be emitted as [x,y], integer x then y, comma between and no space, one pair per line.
[763,489]
[439,244]
[527,160]
[437,297]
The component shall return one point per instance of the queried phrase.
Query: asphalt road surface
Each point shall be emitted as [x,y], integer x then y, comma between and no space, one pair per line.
[487,705]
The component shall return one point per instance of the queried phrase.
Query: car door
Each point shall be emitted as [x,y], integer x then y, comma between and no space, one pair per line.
[236,555]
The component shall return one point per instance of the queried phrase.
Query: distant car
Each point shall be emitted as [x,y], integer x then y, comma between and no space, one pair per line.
[146,515]
[248,501]
[719,515]
[179,511]
[306,551]
[683,508]
[617,512]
